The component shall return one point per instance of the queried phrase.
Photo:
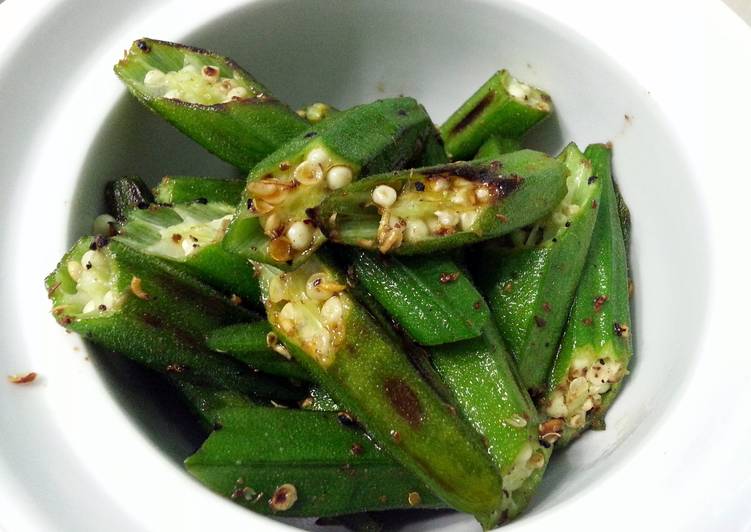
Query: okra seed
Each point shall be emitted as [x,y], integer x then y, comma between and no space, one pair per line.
[89,307]
[276,290]
[559,218]
[280,249]
[447,218]
[339,177]
[482,194]
[189,69]
[288,312]
[318,156]
[434,225]
[154,78]
[74,270]
[300,235]
[272,224]
[172,94]
[440,184]
[308,172]
[571,209]
[577,421]
[210,73]
[332,311]
[517,421]
[384,196]
[103,225]
[525,453]
[460,182]
[467,220]
[88,258]
[237,92]
[537,460]
[319,288]
[416,230]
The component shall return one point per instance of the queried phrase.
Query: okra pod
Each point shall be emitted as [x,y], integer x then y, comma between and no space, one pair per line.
[345,350]
[124,194]
[210,98]
[496,146]
[503,106]
[444,207]
[317,112]
[596,346]
[529,278]
[189,235]
[273,223]
[155,314]
[207,403]
[256,345]
[187,189]
[433,153]
[320,400]
[428,297]
[482,378]
[293,463]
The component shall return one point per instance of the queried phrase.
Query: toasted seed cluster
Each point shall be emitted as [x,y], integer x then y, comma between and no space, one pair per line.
[315,112]
[433,206]
[583,388]
[196,83]
[310,306]
[95,291]
[280,199]
[529,459]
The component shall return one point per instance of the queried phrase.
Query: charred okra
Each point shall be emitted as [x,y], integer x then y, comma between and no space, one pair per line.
[209,98]
[444,207]
[350,355]
[189,235]
[486,387]
[503,106]
[155,314]
[187,189]
[273,224]
[294,463]
[257,346]
[530,277]
[496,146]
[596,346]
[429,297]
[124,194]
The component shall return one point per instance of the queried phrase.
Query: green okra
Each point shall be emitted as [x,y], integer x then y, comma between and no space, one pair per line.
[429,297]
[346,352]
[320,400]
[596,346]
[188,189]
[153,313]
[273,223]
[433,153]
[481,376]
[503,106]
[294,463]
[124,194]
[444,207]
[529,278]
[209,98]
[496,146]
[317,112]
[207,403]
[189,235]
[256,345]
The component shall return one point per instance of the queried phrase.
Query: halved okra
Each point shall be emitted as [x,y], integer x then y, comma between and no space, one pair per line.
[345,350]
[210,98]
[529,278]
[596,346]
[503,106]
[257,346]
[481,376]
[293,463]
[188,189]
[189,235]
[443,207]
[273,224]
[429,297]
[157,315]
[496,146]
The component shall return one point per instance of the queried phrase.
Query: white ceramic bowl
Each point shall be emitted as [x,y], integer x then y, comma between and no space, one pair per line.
[89,446]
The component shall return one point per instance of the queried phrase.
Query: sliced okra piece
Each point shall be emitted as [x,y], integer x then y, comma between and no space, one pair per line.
[147,310]
[273,224]
[258,347]
[210,98]
[317,112]
[444,207]
[503,106]
[429,297]
[189,235]
[496,146]
[188,189]
[207,402]
[481,376]
[293,463]
[529,277]
[596,346]
[346,352]
[124,194]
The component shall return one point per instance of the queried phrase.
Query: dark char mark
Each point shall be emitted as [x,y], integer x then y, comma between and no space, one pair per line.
[474,113]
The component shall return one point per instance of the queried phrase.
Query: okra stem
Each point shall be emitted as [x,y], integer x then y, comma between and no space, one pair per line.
[187,189]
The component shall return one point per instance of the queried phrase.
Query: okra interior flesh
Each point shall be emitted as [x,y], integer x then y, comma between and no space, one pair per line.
[188,189]
[444,207]
[294,463]
[530,276]
[348,353]
[596,346]
[155,314]
[503,106]
[209,98]
[273,224]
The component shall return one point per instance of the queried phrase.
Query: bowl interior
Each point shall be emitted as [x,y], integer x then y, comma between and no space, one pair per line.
[353,51]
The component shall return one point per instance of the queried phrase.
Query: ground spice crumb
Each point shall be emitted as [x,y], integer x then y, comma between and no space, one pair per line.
[501,218]
[23,379]
[592,179]
[346,419]
[540,322]
[357,449]
[395,436]
[414,498]
[599,302]
[135,287]
[594,204]
[508,287]
[587,321]
[283,498]
[477,305]
[175,368]
[621,329]
[546,307]
[235,299]
[448,277]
